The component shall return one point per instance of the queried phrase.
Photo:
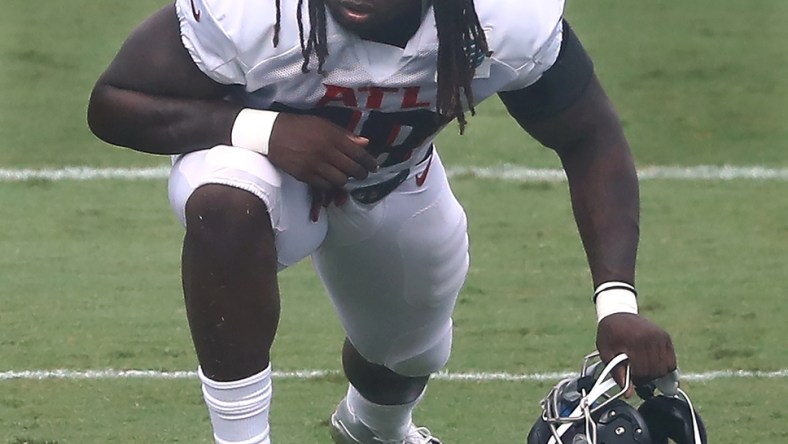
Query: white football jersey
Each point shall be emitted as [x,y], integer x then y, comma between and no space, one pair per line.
[382,92]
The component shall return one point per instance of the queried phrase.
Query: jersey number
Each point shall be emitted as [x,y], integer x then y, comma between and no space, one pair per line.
[392,136]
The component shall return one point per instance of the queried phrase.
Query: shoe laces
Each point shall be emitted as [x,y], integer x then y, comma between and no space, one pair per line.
[424,433]
[416,435]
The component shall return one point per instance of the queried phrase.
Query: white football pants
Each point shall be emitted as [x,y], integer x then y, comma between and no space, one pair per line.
[392,269]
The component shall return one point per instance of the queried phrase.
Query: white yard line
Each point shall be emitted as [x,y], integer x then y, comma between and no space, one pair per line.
[503,172]
[83,173]
[317,374]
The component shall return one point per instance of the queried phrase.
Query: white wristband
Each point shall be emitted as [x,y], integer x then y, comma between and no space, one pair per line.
[252,129]
[615,297]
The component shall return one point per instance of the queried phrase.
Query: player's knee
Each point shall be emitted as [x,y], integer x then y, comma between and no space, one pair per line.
[225,215]
[425,362]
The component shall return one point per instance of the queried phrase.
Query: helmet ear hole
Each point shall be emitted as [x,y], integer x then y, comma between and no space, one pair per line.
[670,418]
[620,423]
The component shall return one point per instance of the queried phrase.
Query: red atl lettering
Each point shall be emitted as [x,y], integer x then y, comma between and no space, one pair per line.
[355,118]
[411,99]
[339,94]
[375,95]
[395,129]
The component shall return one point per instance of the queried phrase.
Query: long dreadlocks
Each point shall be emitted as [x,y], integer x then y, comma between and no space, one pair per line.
[461,46]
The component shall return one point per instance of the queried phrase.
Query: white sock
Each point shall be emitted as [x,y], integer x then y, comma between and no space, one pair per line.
[239,409]
[388,421]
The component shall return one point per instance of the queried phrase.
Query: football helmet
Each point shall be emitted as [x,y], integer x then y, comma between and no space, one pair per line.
[590,409]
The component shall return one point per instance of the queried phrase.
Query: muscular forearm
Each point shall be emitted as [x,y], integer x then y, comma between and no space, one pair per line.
[157,124]
[605,200]
[602,180]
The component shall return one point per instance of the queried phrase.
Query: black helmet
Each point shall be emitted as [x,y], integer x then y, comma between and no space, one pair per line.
[590,409]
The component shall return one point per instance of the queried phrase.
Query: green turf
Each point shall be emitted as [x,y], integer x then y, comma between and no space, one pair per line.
[695,83]
[110,278]
[89,270]
[133,412]
[51,54]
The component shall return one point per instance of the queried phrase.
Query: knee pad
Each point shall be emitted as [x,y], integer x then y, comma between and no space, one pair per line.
[286,199]
[408,359]
[225,165]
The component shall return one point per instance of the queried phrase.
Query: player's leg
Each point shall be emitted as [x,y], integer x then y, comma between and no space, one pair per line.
[232,304]
[378,383]
[393,272]
[378,405]
[229,281]
[238,234]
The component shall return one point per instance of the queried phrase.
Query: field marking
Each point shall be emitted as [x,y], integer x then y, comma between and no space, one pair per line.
[318,374]
[503,172]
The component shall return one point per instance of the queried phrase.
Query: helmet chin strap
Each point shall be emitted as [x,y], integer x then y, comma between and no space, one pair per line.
[695,427]
[668,385]
[603,384]
[595,398]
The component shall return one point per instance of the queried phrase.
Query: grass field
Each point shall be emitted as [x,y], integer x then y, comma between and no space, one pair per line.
[89,268]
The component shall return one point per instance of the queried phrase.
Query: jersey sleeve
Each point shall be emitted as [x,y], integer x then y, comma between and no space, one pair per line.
[524,37]
[543,59]
[204,32]
[558,87]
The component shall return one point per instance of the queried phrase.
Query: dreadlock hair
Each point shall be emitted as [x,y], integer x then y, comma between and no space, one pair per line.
[462,45]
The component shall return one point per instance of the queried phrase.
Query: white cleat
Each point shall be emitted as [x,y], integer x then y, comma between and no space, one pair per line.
[346,428]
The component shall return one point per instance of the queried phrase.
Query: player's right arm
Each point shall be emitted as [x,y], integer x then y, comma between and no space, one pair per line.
[154,98]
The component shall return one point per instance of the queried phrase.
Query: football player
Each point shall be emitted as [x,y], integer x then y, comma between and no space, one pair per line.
[305,128]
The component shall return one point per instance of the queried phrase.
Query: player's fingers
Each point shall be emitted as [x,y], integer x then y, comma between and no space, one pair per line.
[317,182]
[340,197]
[328,196]
[314,207]
[669,355]
[354,147]
[368,161]
[620,376]
[333,176]
[642,364]
[347,165]
[653,361]
[359,140]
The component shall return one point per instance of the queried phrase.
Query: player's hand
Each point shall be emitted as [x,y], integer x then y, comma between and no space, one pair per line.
[323,198]
[649,347]
[317,152]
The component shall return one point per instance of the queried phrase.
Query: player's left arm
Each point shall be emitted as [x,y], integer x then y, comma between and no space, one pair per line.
[568,110]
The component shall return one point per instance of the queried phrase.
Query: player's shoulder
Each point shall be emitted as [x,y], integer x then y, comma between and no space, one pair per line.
[249,25]
[230,15]
[524,15]
[519,28]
